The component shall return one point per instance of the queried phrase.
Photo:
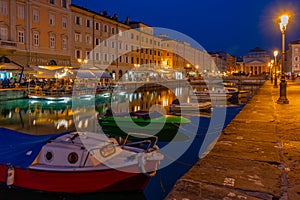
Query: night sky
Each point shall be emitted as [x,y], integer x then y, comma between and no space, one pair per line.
[233,26]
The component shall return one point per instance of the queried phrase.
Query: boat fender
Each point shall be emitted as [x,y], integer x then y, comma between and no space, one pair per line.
[10,176]
[142,160]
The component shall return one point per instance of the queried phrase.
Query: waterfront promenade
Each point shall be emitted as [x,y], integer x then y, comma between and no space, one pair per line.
[256,157]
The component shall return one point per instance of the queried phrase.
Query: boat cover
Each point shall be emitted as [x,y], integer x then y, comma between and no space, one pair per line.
[20,149]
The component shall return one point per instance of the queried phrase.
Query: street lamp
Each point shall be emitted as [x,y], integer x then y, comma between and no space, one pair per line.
[275,53]
[284,19]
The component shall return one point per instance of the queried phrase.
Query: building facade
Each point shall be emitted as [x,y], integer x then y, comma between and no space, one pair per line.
[35,32]
[56,32]
[256,62]
[293,57]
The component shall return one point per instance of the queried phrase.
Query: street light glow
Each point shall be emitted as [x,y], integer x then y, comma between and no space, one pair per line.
[275,53]
[284,22]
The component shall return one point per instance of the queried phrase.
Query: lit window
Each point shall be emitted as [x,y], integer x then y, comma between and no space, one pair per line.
[52,41]
[36,39]
[21,37]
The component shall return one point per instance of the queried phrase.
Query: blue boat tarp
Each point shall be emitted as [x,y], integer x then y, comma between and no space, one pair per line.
[20,149]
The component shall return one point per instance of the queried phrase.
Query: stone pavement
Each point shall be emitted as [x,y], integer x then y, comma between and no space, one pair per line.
[256,157]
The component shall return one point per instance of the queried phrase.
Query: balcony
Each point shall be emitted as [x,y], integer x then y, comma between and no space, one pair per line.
[8,44]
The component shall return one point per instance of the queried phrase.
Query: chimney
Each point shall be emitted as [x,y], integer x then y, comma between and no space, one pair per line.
[105,13]
[116,16]
[127,20]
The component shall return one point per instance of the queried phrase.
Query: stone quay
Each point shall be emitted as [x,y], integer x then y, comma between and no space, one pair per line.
[257,155]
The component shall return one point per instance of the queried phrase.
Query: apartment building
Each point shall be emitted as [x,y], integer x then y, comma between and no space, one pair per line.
[35,32]
[292,63]
[56,32]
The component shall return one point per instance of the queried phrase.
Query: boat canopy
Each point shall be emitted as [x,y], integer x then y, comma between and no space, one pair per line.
[20,149]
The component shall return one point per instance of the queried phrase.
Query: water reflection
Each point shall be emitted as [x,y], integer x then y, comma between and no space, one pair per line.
[46,117]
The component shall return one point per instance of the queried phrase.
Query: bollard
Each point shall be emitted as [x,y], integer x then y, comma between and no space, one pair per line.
[282,98]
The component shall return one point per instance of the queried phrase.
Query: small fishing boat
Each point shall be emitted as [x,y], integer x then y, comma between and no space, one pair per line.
[75,162]
[165,127]
[177,108]
[190,107]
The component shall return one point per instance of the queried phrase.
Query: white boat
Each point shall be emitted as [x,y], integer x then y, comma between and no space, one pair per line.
[76,162]
[213,96]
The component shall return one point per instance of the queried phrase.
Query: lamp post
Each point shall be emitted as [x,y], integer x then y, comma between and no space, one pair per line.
[284,19]
[275,53]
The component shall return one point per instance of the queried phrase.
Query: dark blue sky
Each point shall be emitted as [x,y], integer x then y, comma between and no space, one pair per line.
[233,26]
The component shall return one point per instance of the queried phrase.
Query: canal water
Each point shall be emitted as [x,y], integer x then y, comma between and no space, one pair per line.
[40,117]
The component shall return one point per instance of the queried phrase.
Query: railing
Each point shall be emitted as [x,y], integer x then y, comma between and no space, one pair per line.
[8,43]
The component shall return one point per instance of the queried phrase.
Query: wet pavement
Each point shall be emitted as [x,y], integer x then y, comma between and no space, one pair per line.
[256,157]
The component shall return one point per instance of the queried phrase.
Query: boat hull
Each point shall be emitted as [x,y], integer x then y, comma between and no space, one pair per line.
[166,134]
[110,180]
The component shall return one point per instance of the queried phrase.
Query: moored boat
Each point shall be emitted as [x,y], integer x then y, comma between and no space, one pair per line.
[75,162]
[165,127]
[178,108]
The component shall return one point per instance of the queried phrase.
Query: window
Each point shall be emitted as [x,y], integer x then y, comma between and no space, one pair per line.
[105,28]
[3,33]
[120,59]
[36,39]
[113,30]
[296,58]
[52,41]
[112,44]
[97,56]
[64,43]
[97,41]
[88,23]
[21,37]
[64,22]
[35,15]
[77,20]
[88,55]
[97,26]
[105,57]
[88,39]
[3,7]
[126,59]
[52,19]
[52,1]
[296,50]
[63,3]
[78,37]
[21,11]
[77,53]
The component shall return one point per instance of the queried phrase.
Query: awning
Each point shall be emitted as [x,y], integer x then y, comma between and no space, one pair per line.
[92,74]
